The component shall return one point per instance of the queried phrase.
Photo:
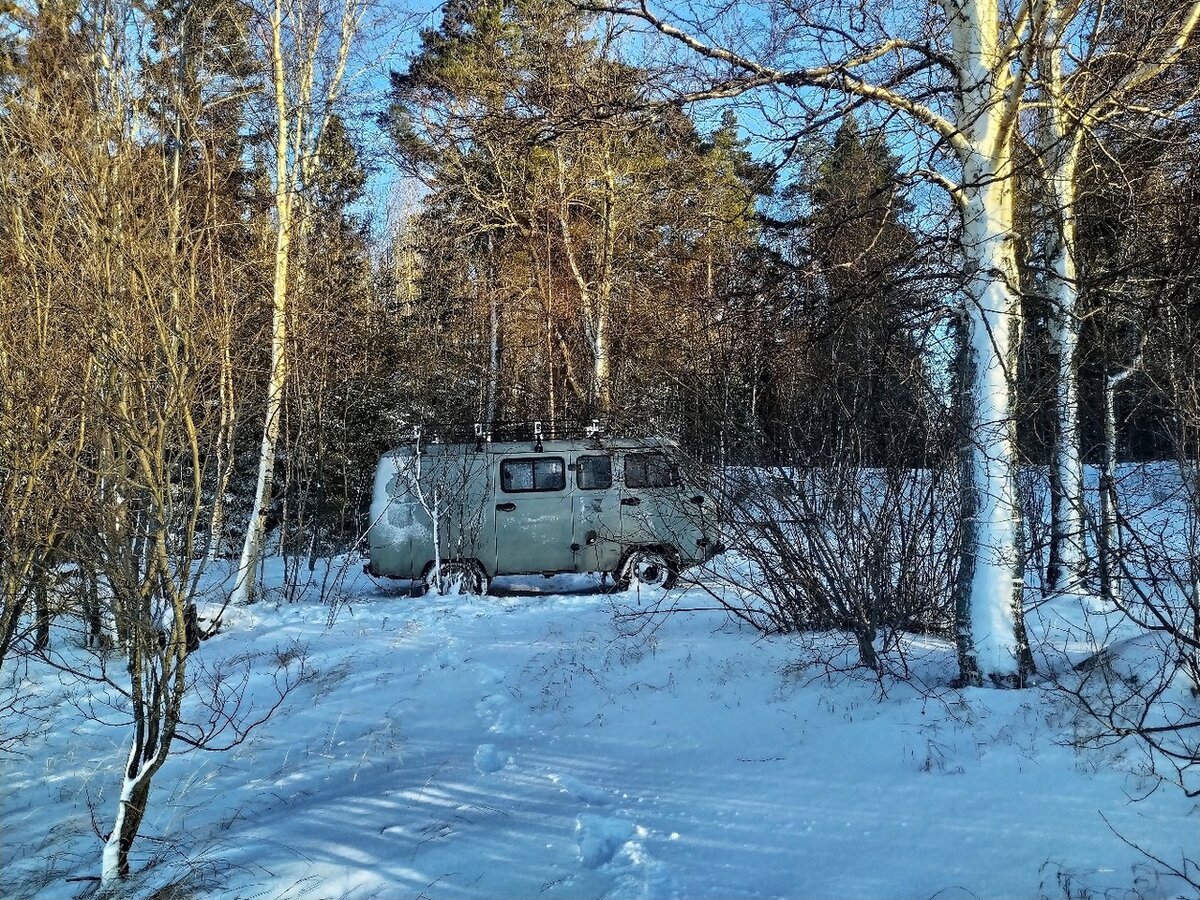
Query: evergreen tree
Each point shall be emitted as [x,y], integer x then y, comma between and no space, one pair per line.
[865,389]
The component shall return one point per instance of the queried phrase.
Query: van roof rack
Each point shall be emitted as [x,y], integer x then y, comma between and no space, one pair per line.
[536,431]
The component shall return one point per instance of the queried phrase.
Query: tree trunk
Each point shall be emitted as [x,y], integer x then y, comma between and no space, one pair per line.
[1067,532]
[602,365]
[225,448]
[496,338]
[131,809]
[991,633]
[601,372]
[1061,142]
[1109,534]
[41,611]
[252,548]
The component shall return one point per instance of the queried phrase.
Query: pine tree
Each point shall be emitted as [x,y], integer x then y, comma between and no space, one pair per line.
[868,398]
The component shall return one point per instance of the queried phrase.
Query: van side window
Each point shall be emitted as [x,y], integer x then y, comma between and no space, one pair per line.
[593,472]
[539,474]
[649,470]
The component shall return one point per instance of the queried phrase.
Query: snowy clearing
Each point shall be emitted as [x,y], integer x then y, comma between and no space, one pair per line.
[544,744]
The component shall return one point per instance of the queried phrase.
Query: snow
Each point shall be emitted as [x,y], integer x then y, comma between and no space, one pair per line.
[557,741]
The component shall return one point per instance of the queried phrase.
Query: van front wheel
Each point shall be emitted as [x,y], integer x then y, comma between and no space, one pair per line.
[456,577]
[648,568]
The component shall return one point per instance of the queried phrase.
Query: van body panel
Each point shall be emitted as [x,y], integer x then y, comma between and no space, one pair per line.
[597,516]
[516,509]
[393,524]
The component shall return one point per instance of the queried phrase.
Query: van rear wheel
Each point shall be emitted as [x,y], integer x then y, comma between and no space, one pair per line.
[648,568]
[456,577]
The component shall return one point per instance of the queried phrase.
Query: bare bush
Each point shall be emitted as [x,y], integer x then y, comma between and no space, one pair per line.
[870,551]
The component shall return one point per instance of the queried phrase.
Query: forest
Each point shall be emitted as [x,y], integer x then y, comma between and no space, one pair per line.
[911,287]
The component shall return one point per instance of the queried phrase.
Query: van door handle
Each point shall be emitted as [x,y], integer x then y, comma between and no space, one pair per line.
[631,501]
[506,507]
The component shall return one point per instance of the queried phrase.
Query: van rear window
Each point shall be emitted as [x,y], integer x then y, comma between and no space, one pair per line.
[593,472]
[649,470]
[543,473]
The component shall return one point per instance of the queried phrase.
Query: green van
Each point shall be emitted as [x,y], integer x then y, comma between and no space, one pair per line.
[454,516]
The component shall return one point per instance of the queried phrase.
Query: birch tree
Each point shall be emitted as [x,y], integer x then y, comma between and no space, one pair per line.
[95,225]
[306,45]
[1074,96]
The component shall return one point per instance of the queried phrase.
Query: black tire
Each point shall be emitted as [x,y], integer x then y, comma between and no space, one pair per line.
[649,568]
[462,577]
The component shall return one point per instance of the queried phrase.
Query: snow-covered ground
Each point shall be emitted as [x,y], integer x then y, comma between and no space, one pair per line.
[552,742]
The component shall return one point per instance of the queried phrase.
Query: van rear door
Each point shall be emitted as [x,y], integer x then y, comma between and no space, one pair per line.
[654,505]
[533,516]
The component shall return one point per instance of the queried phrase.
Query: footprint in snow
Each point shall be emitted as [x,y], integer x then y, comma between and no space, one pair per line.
[618,846]
[489,676]
[592,796]
[488,759]
[448,657]
[642,878]
[497,712]
[599,838]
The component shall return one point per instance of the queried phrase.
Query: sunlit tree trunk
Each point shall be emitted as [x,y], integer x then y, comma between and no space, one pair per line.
[991,632]
[294,51]
[495,333]
[1059,142]
[1067,514]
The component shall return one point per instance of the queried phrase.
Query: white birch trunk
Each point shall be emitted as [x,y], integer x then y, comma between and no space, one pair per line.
[992,646]
[1067,516]
[602,371]
[244,586]
[1061,142]
[992,537]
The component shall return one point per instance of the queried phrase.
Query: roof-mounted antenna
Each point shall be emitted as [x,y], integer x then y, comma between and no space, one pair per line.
[537,437]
